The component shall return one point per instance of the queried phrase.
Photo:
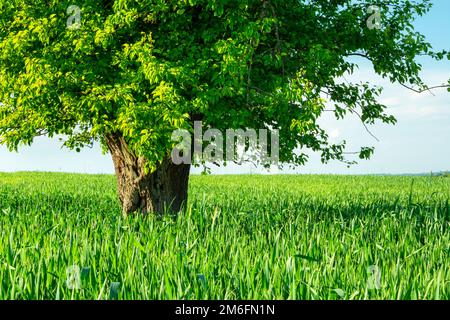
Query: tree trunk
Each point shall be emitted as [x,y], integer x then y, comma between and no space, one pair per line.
[162,191]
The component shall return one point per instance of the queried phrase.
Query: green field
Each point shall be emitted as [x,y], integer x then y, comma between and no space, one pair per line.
[241,237]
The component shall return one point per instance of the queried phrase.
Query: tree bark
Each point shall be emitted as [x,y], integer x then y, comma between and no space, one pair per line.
[162,191]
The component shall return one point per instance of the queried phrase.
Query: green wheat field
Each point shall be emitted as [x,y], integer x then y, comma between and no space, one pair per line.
[62,236]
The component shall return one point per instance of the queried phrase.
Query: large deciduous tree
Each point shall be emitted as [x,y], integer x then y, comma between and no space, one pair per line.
[128,73]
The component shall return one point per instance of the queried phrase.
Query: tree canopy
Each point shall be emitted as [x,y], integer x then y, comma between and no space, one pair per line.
[86,69]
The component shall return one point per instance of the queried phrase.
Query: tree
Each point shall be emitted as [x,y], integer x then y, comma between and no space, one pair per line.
[128,73]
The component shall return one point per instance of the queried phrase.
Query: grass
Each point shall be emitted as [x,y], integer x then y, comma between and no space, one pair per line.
[241,237]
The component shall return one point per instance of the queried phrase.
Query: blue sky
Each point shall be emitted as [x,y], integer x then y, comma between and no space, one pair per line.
[420,142]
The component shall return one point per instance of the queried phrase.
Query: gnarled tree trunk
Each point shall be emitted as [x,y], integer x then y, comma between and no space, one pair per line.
[164,190]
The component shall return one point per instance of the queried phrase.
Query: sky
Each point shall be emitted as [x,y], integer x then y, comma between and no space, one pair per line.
[418,143]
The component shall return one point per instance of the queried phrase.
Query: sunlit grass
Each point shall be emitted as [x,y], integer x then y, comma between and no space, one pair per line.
[240,237]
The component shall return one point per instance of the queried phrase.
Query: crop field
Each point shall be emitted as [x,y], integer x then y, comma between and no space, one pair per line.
[62,236]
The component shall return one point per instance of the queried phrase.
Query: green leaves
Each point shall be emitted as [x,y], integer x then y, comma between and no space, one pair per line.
[142,68]
[366,153]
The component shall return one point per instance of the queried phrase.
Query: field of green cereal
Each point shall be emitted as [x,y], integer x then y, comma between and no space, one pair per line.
[62,236]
